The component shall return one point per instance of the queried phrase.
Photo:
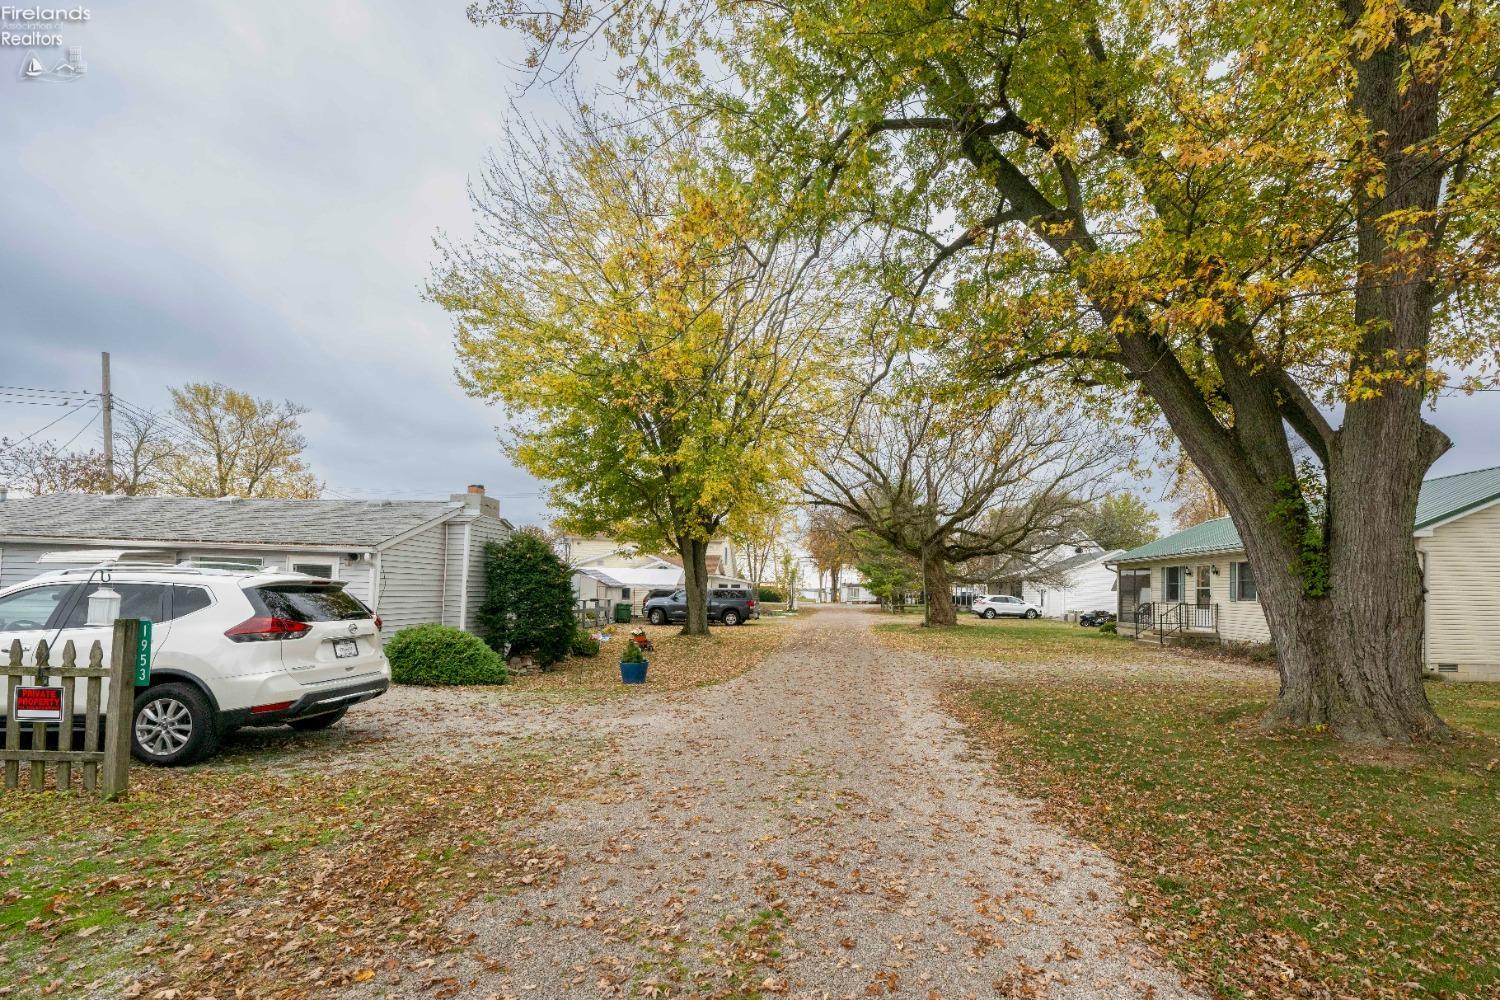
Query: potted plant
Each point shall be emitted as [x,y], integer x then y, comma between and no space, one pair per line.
[633,664]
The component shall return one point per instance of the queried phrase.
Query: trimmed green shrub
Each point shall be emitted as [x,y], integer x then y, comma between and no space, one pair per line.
[1109,628]
[441,654]
[631,653]
[584,644]
[771,594]
[528,605]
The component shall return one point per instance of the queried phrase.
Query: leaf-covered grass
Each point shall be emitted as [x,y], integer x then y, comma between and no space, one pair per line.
[1006,639]
[678,662]
[269,877]
[1285,865]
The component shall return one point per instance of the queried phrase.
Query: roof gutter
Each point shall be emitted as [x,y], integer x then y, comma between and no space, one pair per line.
[185,543]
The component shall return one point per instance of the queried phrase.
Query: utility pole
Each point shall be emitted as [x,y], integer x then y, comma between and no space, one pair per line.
[107,406]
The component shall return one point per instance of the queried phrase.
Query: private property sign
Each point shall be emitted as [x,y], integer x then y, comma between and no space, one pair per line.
[42,704]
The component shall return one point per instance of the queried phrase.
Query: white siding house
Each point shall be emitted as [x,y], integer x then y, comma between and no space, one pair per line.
[607,571]
[1085,581]
[1200,578]
[411,561]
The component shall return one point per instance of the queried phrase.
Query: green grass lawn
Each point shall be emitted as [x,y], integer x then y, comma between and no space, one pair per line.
[1284,865]
[1008,639]
[262,876]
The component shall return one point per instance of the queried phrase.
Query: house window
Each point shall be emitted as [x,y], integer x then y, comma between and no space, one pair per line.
[1241,582]
[1172,583]
[321,570]
[226,562]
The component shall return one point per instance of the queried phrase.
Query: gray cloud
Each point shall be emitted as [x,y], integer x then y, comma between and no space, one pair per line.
[248,193]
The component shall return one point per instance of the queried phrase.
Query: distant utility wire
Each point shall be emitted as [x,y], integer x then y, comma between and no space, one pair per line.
[50,423]
[92,421]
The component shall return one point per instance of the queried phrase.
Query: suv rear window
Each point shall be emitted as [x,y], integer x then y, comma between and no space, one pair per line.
[303,602]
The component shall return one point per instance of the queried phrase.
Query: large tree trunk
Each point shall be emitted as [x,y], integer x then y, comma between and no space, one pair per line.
[939,595]
[833,584]
[694,554]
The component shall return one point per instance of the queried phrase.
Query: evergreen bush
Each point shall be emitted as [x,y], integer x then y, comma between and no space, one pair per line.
[528,606]
[584,644]
[440,654]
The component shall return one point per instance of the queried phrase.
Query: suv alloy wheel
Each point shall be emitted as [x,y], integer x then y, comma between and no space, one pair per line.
[173,726]
[731,617]
[657,616]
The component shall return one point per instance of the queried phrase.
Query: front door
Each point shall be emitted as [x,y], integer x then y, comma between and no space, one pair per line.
[1204,577]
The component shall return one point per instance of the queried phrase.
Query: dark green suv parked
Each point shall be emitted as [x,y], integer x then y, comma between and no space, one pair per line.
[730,605]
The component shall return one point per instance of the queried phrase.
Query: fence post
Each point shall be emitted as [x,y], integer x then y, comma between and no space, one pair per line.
[120,710]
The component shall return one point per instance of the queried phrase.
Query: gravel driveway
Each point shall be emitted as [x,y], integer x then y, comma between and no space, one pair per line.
[814,828]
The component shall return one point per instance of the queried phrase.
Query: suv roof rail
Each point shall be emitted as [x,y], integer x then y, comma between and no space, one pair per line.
[153,567]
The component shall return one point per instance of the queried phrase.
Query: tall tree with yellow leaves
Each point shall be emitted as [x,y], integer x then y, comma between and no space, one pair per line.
[657,359]
[1263,224]
[235,445]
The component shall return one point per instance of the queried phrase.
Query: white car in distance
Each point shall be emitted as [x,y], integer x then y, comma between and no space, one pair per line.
[230,648]
[1004,606]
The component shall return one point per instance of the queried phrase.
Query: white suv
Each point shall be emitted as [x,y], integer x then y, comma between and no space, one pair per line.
[229,648]
[999,606]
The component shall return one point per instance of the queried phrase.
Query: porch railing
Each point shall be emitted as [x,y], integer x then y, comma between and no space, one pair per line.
[1174,618]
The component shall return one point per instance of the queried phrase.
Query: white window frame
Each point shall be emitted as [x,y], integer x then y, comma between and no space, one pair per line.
[332,564]
[212,561]
[1166,584]
[1234,581]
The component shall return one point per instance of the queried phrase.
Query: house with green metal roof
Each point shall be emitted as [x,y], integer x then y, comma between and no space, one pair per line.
[1199,581]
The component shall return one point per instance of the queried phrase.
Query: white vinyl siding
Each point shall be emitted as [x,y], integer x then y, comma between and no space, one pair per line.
[411,580]
[1238,621]
[481,531]
[1090,587]
[1463,595]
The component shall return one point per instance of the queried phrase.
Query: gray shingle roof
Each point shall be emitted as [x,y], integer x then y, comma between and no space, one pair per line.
[1441,498]
[352,523]
[1083,559]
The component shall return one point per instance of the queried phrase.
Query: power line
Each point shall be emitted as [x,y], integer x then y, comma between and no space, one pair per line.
[80,432]
[21,401]
[82,406]
[50,392]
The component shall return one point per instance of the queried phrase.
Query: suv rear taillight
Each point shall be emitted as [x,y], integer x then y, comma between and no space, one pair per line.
[377,623]
[751,604]
[262,628]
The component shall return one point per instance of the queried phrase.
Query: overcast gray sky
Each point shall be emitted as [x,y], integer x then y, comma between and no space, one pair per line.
[247,193]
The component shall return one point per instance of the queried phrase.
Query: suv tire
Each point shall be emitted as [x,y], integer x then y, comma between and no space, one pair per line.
[730,617]
[656,616]
[313,723]
[1033,613]
[989,613]
[172,725]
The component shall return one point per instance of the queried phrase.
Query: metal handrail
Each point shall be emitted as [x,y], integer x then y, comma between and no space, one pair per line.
[1175,618]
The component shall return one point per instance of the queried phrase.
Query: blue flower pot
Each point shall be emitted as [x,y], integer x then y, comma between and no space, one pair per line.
[634,673]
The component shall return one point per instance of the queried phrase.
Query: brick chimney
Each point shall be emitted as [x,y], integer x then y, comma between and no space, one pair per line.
[474,499]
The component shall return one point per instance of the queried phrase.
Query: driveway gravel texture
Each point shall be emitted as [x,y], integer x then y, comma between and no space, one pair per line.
[817,827]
